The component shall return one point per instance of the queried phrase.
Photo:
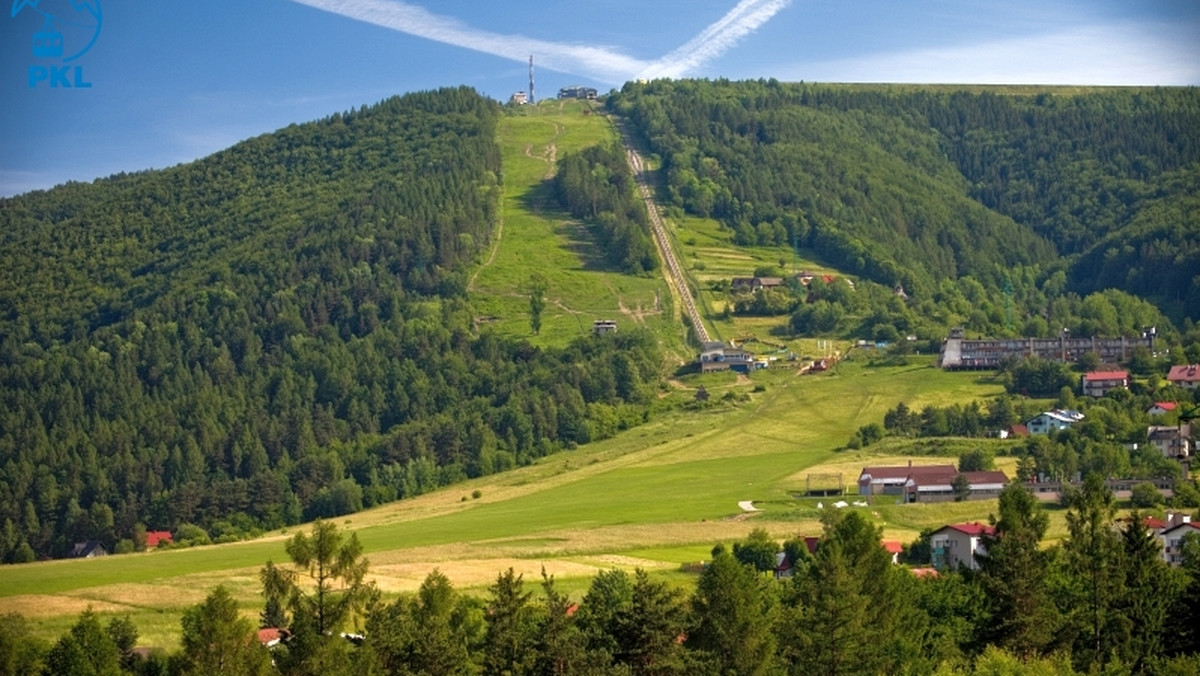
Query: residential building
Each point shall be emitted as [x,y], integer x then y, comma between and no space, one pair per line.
[1185,375]
[1098,383]
[959,352]
[1173,441]
[956,545]
[1171,539]
[1052,421]
[1162,408]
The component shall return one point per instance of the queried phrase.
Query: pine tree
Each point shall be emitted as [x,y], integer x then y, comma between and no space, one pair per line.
[1013,575]
[1094,557]
[733,612]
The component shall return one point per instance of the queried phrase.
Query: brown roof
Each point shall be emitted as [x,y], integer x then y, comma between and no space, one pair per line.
[918,472]
[1106,375]
[1184,373]
[989,477]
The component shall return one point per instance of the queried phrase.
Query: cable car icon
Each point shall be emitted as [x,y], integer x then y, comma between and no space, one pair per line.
[48,44]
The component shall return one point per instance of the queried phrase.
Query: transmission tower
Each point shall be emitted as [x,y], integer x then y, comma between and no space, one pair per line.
[531,101]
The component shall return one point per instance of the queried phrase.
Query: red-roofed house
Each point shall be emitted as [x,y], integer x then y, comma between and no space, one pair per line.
[957,544]
[154,538]
[1098,383]
[894,548]
[1162,408]
[272,636]
[1185,375]
[924,572]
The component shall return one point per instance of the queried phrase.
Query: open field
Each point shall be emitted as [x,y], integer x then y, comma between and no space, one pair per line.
[653,497]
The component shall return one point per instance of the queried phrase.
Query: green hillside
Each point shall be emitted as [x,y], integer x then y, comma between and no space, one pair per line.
[284,330]
[1044,193]
[335,321]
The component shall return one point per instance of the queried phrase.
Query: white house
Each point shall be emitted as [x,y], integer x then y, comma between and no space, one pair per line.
[1053,421]
[1173,441]
[1171,539]
[957,544]
[1162,408]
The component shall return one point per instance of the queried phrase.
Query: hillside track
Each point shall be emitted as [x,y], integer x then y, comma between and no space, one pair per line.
[674,272]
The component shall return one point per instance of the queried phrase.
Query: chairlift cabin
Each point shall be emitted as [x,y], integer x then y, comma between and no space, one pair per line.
[47,44]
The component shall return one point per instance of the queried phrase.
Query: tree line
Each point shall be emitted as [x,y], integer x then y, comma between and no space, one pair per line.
[596,184]
[1100,601]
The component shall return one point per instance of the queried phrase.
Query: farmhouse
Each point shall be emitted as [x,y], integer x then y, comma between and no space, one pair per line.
[1052,421]
[1185,375]
[755,284]
[956,545]
[929,483]
[1173,441]
[989,353]
[1098,383]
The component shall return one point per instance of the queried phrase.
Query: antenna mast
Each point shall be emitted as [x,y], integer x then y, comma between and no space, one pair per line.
[531,101]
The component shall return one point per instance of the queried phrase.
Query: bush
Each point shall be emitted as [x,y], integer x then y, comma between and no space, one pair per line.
[1145,494]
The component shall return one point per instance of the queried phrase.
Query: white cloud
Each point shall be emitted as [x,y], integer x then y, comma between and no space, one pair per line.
[1116,54]
[600,63]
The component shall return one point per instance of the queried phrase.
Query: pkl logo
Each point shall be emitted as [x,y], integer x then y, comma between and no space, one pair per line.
[68,29]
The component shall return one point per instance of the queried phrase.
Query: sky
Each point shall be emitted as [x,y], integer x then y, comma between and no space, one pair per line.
[89,88]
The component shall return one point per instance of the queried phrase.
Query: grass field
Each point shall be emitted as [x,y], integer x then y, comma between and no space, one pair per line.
[655,497]
[537,235]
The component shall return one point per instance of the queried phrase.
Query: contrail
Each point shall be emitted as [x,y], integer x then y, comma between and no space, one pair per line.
[715,40]
[600,63]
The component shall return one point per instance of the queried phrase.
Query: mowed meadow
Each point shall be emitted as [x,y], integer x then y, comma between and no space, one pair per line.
[656,496]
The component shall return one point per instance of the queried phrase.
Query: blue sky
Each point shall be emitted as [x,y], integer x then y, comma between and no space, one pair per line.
[174,81]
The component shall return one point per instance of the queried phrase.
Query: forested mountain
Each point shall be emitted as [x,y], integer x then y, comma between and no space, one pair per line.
[274,333]
[917,185]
